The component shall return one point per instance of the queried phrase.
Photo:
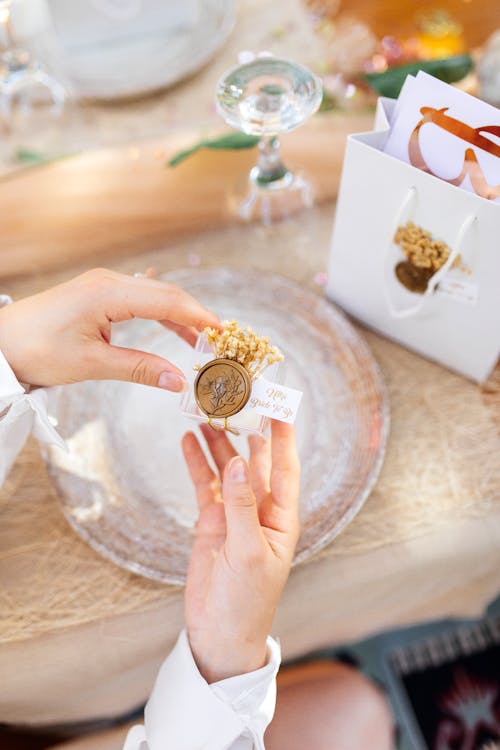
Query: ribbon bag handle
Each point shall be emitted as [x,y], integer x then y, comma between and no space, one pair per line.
[465,226]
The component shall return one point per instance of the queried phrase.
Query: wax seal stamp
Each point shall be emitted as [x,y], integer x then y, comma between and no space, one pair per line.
[222,388]
[232,385]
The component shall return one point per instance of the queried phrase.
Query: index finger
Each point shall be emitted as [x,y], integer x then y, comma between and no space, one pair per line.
[285,471]
[129,297]
[205,482]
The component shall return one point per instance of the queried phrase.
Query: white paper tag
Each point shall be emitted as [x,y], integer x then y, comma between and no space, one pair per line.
[461,291]
[274,401]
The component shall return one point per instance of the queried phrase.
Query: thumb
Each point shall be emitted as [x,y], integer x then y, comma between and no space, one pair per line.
[240,507]
[119,363]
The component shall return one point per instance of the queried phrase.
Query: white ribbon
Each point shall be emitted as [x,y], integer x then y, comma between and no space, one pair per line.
[14,400]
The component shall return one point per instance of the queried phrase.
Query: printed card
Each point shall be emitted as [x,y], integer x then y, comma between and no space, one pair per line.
[448,133]
[275,401]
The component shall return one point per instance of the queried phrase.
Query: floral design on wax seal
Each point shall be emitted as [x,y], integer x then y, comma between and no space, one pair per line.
[222,388]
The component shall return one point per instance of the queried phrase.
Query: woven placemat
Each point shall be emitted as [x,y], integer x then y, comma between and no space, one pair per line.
[441,464]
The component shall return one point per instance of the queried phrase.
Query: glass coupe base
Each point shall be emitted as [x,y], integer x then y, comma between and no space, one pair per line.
[267,202]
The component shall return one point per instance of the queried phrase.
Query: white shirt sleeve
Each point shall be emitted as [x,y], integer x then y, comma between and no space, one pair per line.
[184,712]
[21,413]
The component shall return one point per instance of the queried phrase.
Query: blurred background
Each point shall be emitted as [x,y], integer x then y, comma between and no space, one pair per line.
[101,72]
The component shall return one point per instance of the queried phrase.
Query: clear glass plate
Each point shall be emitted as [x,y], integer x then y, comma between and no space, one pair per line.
[123,485]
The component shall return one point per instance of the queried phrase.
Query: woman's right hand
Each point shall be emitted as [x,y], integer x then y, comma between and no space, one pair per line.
[246,535]
[63,335]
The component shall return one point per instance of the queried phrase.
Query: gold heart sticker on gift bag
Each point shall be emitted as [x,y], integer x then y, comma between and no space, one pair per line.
[416,262]
[471,135]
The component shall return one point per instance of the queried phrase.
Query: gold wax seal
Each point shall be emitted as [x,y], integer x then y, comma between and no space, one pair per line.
[415,279]
[222,388]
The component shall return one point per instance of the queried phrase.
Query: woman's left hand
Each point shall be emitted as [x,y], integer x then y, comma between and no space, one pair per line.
[245,539]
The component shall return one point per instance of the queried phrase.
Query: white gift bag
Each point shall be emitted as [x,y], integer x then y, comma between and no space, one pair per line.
[456,321]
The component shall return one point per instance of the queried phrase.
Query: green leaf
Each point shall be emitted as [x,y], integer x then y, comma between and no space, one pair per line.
[28,156]
[233,141]
[327,103]
[33,158]
[181,155]
[449,69]
[273,89]
[277,174]
[230,141]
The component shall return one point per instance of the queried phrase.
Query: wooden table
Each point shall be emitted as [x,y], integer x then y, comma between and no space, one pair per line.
[82,639]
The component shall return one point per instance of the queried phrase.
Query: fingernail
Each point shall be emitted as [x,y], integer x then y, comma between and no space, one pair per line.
[237,470]
[172,382]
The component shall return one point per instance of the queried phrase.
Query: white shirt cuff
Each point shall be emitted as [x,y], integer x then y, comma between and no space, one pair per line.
[253,695]
[186,713]
[20,414]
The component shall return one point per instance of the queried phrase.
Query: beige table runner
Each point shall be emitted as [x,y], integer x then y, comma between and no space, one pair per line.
[426,543]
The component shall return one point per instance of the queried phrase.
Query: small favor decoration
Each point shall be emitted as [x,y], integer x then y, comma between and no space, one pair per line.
[230,383]
[425,255]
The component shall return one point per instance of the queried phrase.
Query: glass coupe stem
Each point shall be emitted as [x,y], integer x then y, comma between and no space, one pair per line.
[269,164]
